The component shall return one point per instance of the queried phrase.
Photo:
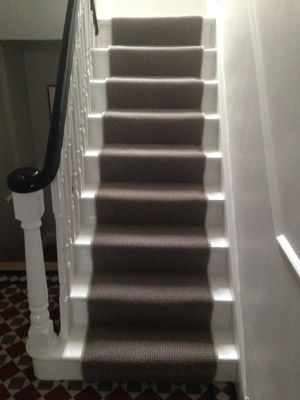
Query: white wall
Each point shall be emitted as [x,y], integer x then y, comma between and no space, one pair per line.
[257,126]
[140,8]
[278,31]
[32,19]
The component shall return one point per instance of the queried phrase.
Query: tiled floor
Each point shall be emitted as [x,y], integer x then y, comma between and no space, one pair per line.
[17,380]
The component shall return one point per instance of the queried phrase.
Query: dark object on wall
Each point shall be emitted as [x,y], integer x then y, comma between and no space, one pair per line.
[51,97]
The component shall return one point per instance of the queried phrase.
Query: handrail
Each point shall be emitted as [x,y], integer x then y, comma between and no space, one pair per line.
[31,179]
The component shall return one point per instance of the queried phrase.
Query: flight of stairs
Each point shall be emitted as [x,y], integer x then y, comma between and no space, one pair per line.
[150,298]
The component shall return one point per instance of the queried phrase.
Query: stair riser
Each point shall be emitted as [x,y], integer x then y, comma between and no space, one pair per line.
[68,369]
[208,38]
[211,174]
[84,261]
[210,140]
[221,316]
[99,97]
[101,64]
[214,217]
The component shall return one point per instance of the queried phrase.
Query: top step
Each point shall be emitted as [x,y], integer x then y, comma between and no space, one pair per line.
[169,31]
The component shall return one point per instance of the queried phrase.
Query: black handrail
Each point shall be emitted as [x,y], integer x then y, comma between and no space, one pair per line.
[31,179]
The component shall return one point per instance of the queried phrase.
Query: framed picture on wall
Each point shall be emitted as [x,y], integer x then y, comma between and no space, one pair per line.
[51,94]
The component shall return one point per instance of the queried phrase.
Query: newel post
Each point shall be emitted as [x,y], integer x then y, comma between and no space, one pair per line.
[29,208]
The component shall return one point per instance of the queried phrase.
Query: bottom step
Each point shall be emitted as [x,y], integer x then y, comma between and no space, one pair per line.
[63,362]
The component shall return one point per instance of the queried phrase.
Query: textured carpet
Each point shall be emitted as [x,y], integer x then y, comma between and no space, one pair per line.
[17,380]
[150,304]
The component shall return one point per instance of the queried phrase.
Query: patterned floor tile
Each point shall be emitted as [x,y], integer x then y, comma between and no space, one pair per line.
[16,371]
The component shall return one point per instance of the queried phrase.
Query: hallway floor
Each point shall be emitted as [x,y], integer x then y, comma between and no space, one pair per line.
[17,380]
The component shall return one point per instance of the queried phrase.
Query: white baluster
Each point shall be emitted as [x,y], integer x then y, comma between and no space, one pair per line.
[29,209]
[59,204]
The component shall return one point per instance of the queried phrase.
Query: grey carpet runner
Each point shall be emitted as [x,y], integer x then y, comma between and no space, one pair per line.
[150,304]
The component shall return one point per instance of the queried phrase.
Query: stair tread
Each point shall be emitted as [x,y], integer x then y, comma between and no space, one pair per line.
[153,150]
[153,113]
[216,238]
[148,113]
[148,191]
[72,348]
[162,283]
[156,48]
[152,191]
[155,80]
[152,235]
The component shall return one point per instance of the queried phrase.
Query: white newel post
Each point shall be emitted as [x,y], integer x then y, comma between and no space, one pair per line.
[29,208]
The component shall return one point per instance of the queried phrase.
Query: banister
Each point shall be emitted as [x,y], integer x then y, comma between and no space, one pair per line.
[31,179]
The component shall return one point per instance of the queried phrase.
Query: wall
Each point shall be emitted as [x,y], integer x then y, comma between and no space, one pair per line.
[16,142]
[32,19]
[26,68]
[41,63]
[280,66]
[139,8]
[254,115]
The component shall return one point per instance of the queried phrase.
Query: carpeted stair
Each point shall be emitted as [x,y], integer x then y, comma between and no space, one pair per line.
[150,303]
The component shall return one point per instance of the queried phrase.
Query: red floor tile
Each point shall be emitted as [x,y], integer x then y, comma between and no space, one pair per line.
[118,394]
[16,349]
[28,393]
[8,370]
[59,393]
[88,394]
[148,394]
[4,393]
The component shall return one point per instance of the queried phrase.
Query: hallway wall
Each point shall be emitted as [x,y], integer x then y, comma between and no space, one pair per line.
[32,19]
[26,68]
[278,32]
[266,288]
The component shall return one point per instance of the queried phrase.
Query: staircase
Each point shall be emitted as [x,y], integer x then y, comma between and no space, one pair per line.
[144,274]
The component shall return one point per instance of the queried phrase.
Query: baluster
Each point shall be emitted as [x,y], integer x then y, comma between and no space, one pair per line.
[58,205]
[29,209]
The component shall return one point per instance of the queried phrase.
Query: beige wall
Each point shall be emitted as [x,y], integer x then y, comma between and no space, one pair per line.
[258,111]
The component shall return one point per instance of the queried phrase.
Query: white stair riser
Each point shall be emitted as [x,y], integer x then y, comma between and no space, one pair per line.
[208,37]
[217,262]
[212,173]
[210,141]
[214,218]
[101,68]
[221,316]
[99,103]
[62,369]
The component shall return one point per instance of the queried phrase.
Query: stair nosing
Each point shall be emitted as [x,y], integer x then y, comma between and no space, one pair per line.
[210,195]
[215,238]
[80,285]
[206,82]
[72,348]
[209,154]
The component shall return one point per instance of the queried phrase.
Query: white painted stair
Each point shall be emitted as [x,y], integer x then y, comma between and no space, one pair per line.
[64,362]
